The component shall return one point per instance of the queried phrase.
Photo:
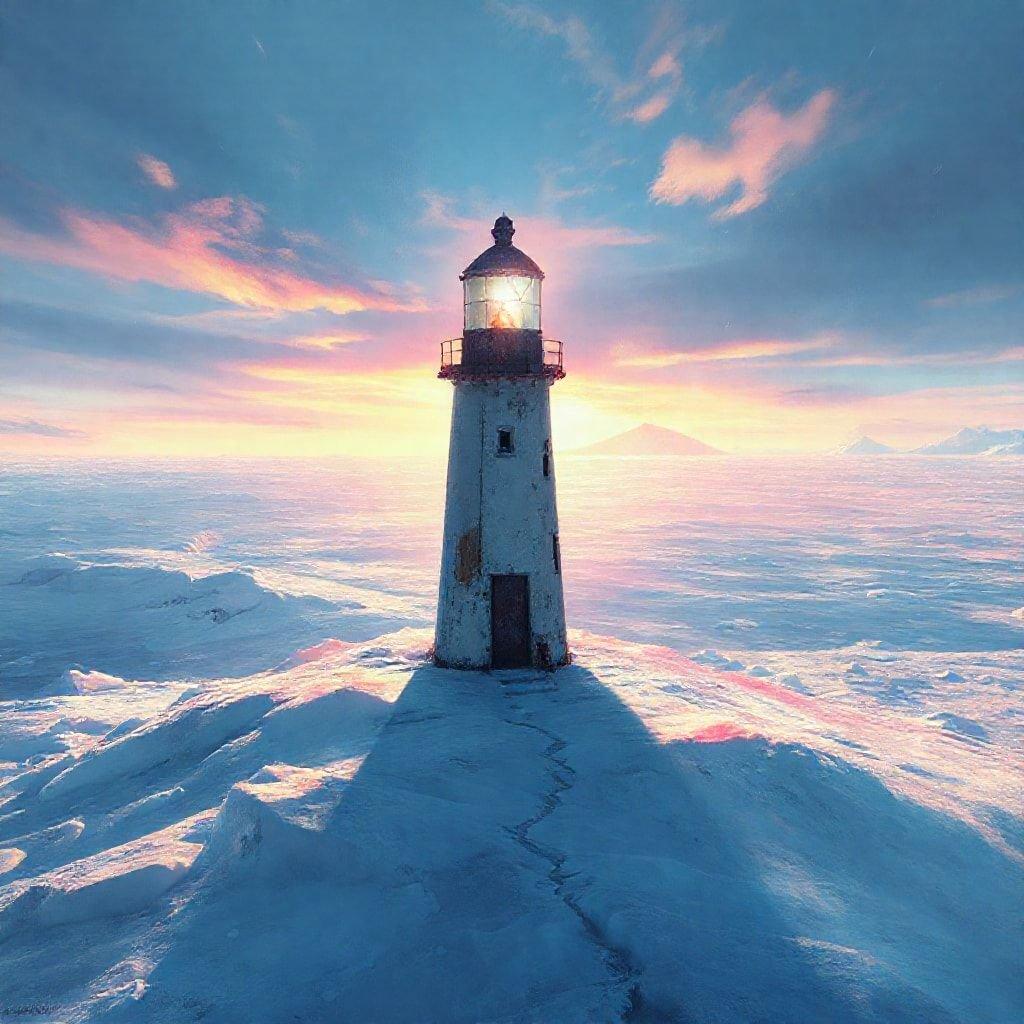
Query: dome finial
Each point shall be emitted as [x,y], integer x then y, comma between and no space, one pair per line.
[503,230]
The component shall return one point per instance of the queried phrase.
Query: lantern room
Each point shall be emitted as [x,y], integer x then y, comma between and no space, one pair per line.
[501,287]
[501,326]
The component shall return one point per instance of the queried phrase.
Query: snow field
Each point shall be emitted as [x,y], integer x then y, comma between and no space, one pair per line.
[641,836]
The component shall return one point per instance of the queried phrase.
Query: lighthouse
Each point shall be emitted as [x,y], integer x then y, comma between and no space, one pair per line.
[500,601]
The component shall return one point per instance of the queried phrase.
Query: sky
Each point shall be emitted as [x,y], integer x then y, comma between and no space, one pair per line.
[237,229]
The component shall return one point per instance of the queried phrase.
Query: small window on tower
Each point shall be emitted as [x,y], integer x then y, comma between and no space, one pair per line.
[547,458]
[506,445]
[556,552]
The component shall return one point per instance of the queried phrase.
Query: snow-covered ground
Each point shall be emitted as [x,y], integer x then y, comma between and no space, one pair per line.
[782,781]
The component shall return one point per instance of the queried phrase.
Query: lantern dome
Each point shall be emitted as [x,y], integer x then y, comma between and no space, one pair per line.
[503,259]
[501,287]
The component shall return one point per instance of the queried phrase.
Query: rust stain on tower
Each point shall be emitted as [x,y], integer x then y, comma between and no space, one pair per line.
[467,556]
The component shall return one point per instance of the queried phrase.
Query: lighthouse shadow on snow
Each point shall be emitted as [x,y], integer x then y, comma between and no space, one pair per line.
[518,857]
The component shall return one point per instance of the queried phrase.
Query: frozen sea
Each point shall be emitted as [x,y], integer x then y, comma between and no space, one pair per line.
[782,781]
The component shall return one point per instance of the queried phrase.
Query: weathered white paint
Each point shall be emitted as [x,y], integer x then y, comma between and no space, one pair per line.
[500,517]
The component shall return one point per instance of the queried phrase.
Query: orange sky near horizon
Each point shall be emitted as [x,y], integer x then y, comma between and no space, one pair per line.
[288,368]
[283,412]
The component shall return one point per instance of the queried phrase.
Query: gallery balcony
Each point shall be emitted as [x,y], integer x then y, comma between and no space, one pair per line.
[495,354]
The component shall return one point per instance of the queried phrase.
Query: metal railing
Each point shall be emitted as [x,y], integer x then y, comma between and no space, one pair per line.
[553,355]
[451,352]
[452,366]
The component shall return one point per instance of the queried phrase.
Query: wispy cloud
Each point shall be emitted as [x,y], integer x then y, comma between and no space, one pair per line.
[232,322]
[212,247]
[157,171]
[326,341]
[827,395]
[260,326]
[955,357]
[561,249]
[666,76]
[37,429]
[440,212]
[641,97]
[975,296]
[759,348]
[765,142]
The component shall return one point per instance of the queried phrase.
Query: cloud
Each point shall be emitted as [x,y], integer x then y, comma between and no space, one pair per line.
[561,249]
[211,247]
[667,73]
[666,66]
[303,238]
[641,97]
[157,171]
[827,395]
[327,341]
[975,296]
[232,322]
[176,350]
[37,429]
[767,348]
[440,212]
[764,144]
[650,109]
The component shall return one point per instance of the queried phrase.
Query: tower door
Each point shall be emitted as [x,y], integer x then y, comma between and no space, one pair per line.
[510,622]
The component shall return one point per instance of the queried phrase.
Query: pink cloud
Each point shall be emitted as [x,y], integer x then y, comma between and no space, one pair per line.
[562,250]
[765,143]
[157,171]
[651,109]
[210,247]
[543,232]
[667,71]
[667,66]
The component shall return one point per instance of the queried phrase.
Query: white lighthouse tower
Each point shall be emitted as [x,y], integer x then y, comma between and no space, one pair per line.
[500,602]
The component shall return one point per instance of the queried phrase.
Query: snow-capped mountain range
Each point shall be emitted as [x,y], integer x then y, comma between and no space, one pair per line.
[977,441]
[865,446]
[968,441]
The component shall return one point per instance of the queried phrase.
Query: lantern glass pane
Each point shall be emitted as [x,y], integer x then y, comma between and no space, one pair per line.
[502,301]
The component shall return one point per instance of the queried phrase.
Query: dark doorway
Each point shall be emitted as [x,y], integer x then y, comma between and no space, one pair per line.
[510,622]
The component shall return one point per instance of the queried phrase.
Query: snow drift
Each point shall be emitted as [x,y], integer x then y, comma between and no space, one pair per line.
[359,835]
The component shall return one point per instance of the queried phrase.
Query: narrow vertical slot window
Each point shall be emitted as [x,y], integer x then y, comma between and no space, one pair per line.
[547,458]
[506,441]
[556,552]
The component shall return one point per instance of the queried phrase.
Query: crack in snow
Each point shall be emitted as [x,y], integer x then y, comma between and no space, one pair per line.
[627,975]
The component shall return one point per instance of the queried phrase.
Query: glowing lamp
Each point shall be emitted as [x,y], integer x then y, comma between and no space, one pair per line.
[502,301]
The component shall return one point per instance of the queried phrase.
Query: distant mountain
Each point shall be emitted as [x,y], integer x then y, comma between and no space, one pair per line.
[649,440]
[977,441]
[865,446]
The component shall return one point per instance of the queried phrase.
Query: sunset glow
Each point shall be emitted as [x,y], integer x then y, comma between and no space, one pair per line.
[766,252]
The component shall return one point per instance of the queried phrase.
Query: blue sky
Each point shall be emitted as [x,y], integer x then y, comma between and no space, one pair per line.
[772,225]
